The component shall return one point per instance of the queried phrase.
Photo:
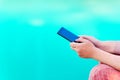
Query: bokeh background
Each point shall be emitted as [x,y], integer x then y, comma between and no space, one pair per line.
[30,49]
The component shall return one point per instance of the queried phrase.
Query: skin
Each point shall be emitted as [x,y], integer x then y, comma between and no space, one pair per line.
[90,49]
[109,46]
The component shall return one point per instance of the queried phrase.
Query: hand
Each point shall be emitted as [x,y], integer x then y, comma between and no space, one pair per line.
[86,49]
[108,46]
[95,41]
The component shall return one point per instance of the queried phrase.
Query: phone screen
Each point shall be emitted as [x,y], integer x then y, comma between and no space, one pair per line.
[67,34]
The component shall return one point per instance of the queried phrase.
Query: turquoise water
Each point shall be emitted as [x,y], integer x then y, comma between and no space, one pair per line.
[30,49]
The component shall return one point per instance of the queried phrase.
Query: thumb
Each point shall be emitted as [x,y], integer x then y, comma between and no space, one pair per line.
[83,40]
[90,38]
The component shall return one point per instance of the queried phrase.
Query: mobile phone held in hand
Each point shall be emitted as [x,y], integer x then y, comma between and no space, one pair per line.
[71,37]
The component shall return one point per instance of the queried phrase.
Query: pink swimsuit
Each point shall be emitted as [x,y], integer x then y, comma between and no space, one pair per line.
[104,72]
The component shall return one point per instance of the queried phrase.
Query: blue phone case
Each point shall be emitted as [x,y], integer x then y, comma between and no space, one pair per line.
[67,34]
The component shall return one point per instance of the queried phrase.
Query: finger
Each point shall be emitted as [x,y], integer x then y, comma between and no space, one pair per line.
[83,40]
[90,38]
[76,46]
[75,49]
[79,39]
[73,44]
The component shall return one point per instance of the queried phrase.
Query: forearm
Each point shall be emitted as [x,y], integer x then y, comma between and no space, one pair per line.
[117,47]
[109,46]
[107,58]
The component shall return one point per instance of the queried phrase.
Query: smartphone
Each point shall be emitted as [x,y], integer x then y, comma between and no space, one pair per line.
[71,37]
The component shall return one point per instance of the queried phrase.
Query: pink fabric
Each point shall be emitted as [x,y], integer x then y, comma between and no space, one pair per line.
[104,72]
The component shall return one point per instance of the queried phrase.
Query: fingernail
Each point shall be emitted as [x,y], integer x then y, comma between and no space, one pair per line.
[76,39]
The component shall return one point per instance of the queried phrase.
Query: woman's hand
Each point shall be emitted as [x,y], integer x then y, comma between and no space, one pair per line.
[108,46]
[85,49]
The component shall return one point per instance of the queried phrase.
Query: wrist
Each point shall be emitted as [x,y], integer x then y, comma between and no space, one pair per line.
[102,56]
[100,44]
[95,53]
